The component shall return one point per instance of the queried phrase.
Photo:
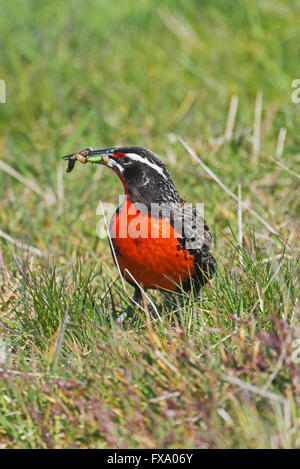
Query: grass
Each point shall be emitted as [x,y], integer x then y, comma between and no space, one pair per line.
[219,370]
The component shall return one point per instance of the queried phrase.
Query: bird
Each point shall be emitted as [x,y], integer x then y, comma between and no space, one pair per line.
[158,240]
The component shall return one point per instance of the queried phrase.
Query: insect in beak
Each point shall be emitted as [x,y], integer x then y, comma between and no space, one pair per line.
[88,156]
[81,156]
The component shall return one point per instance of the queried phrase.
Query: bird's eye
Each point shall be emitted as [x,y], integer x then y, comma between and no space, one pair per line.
[125,160]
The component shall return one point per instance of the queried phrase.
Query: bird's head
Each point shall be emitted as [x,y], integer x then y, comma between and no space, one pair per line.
[144,176]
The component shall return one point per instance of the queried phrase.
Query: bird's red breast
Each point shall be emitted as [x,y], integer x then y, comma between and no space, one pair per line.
[154,262]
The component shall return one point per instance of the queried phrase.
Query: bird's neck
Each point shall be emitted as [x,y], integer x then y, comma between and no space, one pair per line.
[152,194]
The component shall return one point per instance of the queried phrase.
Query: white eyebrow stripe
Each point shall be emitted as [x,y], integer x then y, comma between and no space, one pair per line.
[136,157]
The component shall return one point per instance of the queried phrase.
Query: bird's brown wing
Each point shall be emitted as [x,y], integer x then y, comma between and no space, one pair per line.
[195,237]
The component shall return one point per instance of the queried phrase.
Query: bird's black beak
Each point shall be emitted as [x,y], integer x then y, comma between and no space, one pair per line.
[89,156]
[92,156]
[67,157]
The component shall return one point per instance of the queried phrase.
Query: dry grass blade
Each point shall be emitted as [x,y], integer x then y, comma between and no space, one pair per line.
[178,27]
[144,294]
[112,248]
[21,373]
[280,142]
[259,301]
[277,367]
[240,222]
[285,167]
[164,397]
[254,389]
[231,117]
[21,245]
[61,335]
[45,193]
